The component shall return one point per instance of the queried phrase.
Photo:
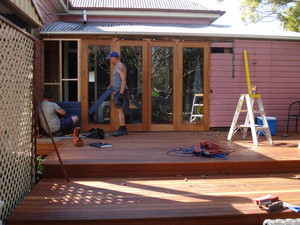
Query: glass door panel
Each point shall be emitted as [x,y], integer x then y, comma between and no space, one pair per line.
[98,81]
[193,77]
[162,85]
[132,57]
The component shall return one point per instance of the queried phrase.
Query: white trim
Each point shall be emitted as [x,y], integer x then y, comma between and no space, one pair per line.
[112,13]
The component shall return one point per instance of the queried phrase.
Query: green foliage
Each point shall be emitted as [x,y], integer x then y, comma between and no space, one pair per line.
[286,11]
[291,18]
[39,168]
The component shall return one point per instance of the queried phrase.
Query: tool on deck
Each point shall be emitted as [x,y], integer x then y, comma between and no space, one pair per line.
[249,120]
[269,203]
[77,141]
[266,199]
[274,206]
[294,208]
[272,203]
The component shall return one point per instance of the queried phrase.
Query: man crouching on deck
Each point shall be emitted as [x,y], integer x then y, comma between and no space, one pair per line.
[120,91]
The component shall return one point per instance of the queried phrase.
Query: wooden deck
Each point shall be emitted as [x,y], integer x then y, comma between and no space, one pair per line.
[169,200]
[135,182]
[145,154]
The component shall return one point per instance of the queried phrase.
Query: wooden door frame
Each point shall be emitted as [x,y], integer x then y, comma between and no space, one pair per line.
[84,84]
[163,127]
[146,45]
[178,86]
[144,126]
[206,86]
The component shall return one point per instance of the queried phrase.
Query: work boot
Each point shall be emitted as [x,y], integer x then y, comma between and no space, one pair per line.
[90,133]
[122,131]
[99,133]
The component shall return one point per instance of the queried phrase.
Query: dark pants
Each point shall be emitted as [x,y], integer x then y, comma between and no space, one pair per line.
[125,103]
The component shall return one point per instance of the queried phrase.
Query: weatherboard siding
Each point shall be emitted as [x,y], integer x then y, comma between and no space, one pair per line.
[274,68]
[47,12]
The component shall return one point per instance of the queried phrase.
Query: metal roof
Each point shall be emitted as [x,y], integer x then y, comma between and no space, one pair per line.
[64,28]
[140,4]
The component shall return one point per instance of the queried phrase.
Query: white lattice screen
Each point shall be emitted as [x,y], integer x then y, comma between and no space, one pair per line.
[16,123]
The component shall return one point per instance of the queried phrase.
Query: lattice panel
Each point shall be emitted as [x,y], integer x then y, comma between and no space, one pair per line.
[16,123]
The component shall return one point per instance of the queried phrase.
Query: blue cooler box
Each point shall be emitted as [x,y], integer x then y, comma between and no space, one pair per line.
[271,122]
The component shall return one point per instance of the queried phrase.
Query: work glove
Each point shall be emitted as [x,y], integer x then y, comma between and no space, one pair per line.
[121,98]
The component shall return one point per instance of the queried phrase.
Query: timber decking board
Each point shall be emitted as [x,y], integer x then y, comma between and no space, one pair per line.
[167,200]
[44,146]
[163,169]
[144,154]
[176,199]
[153,146]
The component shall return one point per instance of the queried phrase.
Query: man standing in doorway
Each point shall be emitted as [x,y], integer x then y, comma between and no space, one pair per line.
[120,91]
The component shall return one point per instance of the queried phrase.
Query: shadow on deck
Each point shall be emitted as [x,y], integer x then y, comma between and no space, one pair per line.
[135,182]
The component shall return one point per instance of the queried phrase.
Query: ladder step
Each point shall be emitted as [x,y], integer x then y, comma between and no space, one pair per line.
[261,128]
[198,105]
[254,111]
[258,111]
[257,127]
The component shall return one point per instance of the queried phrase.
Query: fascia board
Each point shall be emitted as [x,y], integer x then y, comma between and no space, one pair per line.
[147,14]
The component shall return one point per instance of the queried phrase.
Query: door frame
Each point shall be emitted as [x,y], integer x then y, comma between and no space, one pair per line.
[163,127]
[84,85]
[146,45]
[206,86]
[144,126]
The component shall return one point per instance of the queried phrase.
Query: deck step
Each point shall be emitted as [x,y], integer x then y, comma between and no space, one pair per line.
[204,200]
[171,169]
[137,155]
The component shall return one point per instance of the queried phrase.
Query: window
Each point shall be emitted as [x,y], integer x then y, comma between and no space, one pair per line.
[61,70]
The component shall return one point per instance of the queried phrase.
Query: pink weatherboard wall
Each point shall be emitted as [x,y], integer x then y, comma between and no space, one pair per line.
[274,68]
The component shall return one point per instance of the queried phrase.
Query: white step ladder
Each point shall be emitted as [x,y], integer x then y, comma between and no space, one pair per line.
[250,120]
[196,103]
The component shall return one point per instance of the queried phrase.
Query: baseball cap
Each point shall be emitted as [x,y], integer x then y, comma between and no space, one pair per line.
[113,54]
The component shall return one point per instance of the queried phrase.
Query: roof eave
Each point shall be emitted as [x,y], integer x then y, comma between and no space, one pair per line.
[213,35]
[205,14]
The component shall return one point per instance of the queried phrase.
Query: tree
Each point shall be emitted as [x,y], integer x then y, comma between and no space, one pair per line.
[286,11]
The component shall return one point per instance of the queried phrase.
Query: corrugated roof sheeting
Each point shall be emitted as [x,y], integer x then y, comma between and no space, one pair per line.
[139,4]
[115,27]
[166,29]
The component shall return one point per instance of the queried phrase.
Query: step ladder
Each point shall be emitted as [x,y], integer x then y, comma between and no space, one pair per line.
[195,110]
[250,119]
